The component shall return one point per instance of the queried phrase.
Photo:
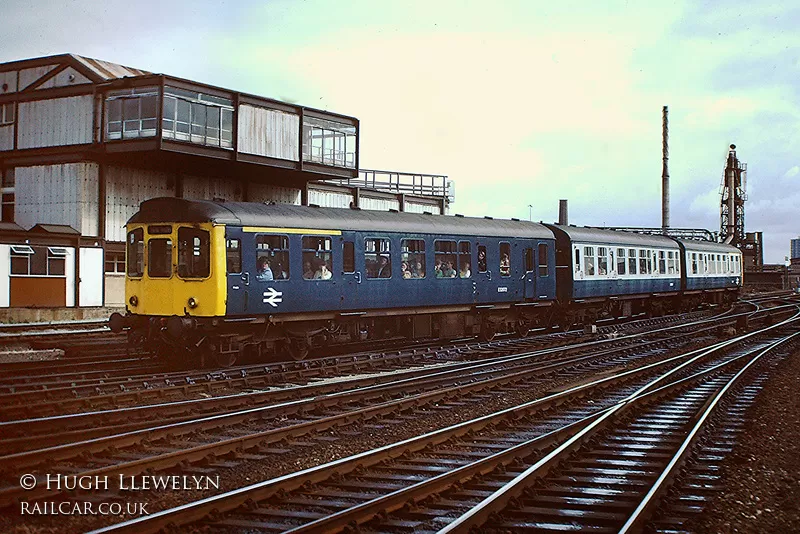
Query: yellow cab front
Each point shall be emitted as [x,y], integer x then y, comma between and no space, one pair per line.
[175,269]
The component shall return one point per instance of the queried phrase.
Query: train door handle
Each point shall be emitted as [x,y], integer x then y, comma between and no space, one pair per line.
[246,278]
[357,276]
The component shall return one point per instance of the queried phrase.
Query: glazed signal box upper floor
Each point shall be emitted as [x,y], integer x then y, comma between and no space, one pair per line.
[54,104]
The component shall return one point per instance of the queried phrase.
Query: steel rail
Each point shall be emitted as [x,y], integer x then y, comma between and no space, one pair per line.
[644,508]
[259,491]
[480,513]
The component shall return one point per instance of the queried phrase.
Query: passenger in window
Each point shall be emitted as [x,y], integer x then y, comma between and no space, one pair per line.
[308,272]
[264,272]
[481,260]
[405,271]
[447,270]
[464,272]
[322,272]
[505,265]
[418,271]
[384,267]
[279,272]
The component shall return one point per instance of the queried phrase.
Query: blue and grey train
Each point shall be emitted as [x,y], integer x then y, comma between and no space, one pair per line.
[216,280]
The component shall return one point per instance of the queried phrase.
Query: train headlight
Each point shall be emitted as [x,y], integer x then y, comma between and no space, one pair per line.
[134,300]
[192,302]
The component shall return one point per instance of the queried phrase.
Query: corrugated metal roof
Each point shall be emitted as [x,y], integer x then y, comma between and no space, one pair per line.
[290,216]
[107,70]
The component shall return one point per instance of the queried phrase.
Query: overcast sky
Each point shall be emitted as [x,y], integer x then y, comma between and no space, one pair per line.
[520,103]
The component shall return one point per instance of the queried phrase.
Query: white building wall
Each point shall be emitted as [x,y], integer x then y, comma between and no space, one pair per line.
[55,122]
[201,188]
[378,204]
[415,207]
[91,281]
[329,199]
[28,76]
[126,188]
[7,137]
[9,78]
[5,281]
[268,132]
[272,193]
[58,194]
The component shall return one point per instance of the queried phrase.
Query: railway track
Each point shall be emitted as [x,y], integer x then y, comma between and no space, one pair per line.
[457,477]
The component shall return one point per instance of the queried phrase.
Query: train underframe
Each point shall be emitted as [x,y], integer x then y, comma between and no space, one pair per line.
[222,342]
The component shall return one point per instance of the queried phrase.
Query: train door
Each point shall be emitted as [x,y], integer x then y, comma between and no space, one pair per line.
[529,278]
[238,279]
[352,277]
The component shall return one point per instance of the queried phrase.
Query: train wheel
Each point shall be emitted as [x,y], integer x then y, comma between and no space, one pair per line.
[523,328]
[488,331]
[297,348]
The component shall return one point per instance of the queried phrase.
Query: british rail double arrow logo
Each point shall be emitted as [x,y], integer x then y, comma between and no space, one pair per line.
[273,297]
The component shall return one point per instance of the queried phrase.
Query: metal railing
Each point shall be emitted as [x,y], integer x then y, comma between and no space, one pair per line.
[430,185]
[695,234]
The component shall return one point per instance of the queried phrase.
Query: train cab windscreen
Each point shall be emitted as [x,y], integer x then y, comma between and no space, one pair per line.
[193,253]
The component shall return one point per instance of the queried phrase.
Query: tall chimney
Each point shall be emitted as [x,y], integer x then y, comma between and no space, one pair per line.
[664,170]
[563,217]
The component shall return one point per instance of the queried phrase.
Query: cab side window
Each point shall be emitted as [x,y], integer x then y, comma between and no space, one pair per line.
[543,268]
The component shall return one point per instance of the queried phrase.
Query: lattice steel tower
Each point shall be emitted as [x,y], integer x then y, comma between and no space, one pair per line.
[731,209]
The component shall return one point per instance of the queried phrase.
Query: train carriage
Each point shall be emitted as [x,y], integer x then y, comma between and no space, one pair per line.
[220,274]
[711,269]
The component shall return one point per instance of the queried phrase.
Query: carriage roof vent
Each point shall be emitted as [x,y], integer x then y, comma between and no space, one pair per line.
[392,210]
[459,215]
[487,217]
[514,219]
[427,213]
[313,205]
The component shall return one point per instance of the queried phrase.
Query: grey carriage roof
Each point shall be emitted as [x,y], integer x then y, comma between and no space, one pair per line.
[616,237]
[708,246]
[178,210]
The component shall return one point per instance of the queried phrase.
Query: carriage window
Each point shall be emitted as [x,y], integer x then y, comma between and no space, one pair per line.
[651,262]
[194,253]
[233,255]
[505,259]
[378,258]
[577,260]
[445,259]
[464,259]
[621,261]
[588,261]
[272,257]
[159,258]
[726,264]
[662,262]
[643,256]
[694,262]
[602,260]
[631,261]
[348,257]
[482,264]
[671,262]
[713,261]
[317,258]
[412,258]
[136,252]
[543,271]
